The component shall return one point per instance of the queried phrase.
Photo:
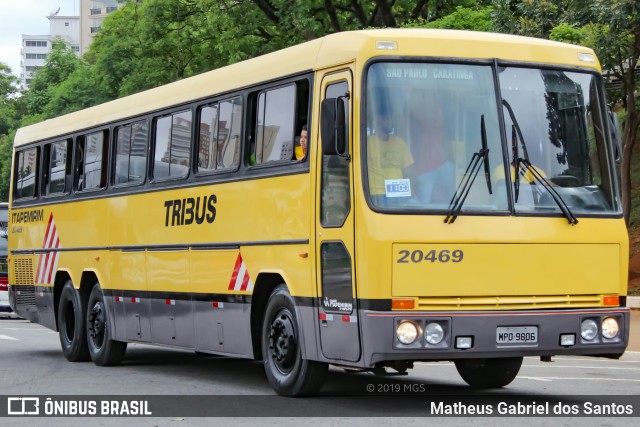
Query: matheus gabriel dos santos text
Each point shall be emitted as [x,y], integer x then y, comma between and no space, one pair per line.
[530,408]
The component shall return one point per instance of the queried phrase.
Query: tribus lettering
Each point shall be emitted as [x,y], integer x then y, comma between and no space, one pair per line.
[190,210]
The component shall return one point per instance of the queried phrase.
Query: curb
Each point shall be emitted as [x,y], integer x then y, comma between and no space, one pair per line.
[633,302]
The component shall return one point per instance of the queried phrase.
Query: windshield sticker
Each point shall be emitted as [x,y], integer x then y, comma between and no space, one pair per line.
[397,187]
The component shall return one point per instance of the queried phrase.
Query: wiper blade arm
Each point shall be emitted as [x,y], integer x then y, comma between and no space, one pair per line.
[516,163]
[537,176]
[485,146]
[470,174]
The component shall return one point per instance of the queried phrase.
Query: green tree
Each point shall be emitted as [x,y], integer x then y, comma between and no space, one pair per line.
[60,64]
[463,18]
[10,109]
[8,93]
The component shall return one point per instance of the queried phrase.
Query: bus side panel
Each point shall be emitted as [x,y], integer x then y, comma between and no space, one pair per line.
[222,322]
[171,313]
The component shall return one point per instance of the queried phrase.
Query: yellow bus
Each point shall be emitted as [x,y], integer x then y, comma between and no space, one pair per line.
[365,200]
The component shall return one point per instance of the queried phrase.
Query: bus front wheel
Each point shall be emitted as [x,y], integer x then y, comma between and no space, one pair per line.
[71,321]
[103,349]
[288,373]
[489,373]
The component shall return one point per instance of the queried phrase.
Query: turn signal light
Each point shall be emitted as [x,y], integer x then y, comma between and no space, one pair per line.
[611,300]
[402,304]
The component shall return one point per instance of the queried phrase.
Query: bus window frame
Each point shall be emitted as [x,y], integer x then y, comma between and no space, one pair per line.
[196,140]
[46,168]
[106,159]
[153,120]
[36,176]
[255,100]
[113,155]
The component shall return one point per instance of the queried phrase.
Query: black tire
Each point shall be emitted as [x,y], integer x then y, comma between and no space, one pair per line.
[71,322]
[103,349]
[288,373]
[489,373]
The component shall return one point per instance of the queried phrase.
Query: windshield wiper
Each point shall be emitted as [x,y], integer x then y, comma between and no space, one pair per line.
[537,176]
[470,174]
[516,134]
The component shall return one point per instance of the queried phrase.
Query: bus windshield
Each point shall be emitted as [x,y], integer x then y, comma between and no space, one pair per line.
[433,135]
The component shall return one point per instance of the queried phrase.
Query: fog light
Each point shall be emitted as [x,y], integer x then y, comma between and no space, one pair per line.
[433,333]
[463,343]
[407,332]
[610,328]
[567,340]
[588,329]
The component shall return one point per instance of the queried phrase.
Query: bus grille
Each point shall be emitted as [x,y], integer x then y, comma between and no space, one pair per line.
[25,295]
[508,302]
[23,271]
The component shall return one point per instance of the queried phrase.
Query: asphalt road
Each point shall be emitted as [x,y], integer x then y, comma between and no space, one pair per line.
[31,363]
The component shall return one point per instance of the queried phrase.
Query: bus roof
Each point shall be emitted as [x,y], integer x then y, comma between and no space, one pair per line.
[324,52]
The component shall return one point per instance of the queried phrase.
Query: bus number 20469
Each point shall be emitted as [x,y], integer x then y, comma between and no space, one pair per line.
[431,256]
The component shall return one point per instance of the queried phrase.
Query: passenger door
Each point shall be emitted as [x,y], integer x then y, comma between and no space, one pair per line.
[339,331]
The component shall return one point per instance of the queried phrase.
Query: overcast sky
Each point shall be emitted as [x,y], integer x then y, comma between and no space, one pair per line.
[18,17]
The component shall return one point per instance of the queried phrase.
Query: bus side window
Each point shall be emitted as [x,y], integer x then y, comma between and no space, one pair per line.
[57,168]
[26,172]
[274,125]
[219,137]
[130,160]
[172,145]
[90,165]
[279,115]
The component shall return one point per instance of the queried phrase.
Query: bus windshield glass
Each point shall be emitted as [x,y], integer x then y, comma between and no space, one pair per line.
[433,136]
[559,126]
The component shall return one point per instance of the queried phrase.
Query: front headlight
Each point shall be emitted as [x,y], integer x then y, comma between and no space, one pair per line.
[407,332]
[610,328]
[588,329]
[433,333]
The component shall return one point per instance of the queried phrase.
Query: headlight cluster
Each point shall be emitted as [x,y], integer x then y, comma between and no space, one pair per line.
[423,333]
[607,327]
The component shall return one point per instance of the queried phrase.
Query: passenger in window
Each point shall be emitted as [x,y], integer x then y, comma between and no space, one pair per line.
[434,171]
[388,157]
[301,147]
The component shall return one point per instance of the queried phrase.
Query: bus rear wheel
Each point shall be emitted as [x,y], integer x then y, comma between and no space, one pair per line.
[71,322]
[104,351]
[287,372]
[489,373]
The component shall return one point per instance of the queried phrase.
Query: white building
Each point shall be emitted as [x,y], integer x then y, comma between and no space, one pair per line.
[36,48]
[92,13]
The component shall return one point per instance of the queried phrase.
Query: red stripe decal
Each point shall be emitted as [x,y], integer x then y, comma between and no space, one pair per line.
[236,269]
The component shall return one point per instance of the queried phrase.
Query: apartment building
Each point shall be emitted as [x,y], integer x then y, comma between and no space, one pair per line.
[36,48]
[92,13]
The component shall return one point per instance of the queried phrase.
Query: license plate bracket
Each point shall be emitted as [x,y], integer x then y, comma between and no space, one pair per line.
[516,335]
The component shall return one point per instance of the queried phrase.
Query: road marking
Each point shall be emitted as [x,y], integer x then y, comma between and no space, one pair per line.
[577,378]
[533,378]
[4,337]
[582,367]
[596,360]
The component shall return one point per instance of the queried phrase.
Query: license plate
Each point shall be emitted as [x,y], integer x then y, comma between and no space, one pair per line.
[517,335]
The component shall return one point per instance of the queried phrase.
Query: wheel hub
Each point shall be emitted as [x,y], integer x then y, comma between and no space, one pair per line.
[97,324]
[282,342]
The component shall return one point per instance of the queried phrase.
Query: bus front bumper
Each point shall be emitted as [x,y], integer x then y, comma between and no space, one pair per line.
[493,334]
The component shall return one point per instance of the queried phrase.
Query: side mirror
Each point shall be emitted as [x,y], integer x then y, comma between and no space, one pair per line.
[615,135]
[333,126]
